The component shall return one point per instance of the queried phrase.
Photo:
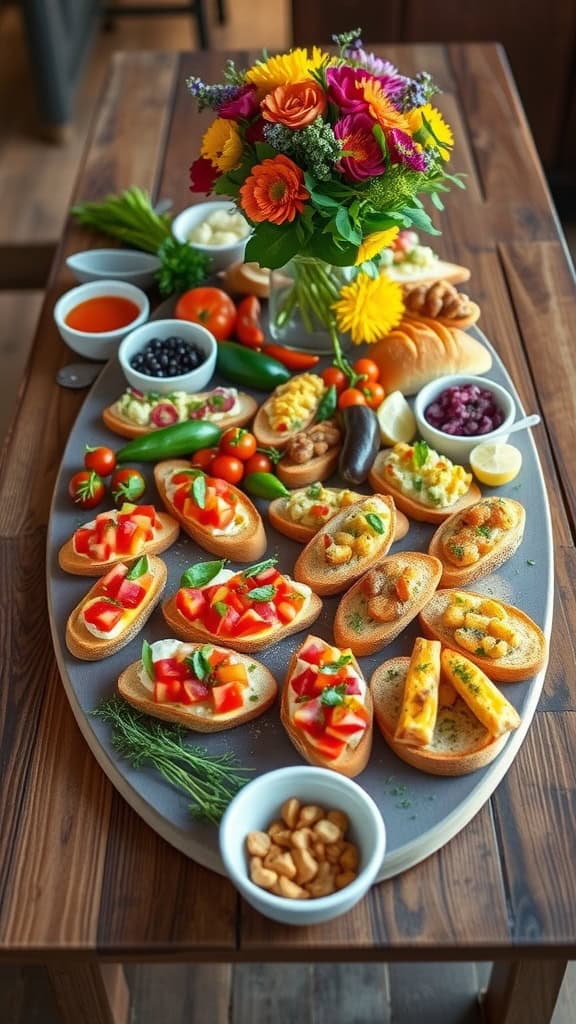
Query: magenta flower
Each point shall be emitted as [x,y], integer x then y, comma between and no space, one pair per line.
[403,150]
[363,154]
[392,81]
[202,176]
[245,104]
[343,91]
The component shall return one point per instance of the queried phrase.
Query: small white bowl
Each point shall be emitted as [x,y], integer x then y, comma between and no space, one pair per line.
[104,345]
[127,265]
[258,804]
[194,380]
[221,255]
[458,446]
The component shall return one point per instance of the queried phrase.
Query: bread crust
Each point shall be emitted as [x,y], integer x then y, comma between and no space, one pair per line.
[385,685]
[302,533]
[443,271]
[118,424]
[132,690]
[352,761]
[247,279]
[79,565]
[296,474]
[83,645]
[454,576]
[246,546]
[325,579]
[375,635]
[263,432]
[186,630]
[500,670]
[415,509]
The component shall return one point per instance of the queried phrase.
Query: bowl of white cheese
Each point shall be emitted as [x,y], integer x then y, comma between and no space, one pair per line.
[216,229]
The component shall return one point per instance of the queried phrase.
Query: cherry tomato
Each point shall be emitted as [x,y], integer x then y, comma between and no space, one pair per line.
[228,468]
[258,463]
[238,442]
[100,460]
[210,307]
[204,458]
[86,489]
[367,368]
[334,376]
[374,394]
[127,485]
[351,396]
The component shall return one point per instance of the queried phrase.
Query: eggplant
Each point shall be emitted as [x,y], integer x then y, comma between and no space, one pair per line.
[361,443]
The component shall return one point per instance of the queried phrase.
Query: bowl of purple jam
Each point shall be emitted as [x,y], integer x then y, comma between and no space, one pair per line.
[456,413]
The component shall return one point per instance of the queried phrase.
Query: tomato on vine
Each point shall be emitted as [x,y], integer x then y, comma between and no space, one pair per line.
[86,489]
[239,443]
[332,375]
[127,485]
[100,460]
[374,394]
[367,368]
[351,396]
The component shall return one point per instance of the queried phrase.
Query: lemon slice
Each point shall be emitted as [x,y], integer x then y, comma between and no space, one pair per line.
[495,463]
[396,419]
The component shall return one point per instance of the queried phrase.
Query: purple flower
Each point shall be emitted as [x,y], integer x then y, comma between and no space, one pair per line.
[342,88]
[363,154]
[392,81]
[403,150]
[243,104]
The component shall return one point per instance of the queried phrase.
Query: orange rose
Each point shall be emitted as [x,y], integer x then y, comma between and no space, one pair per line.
[294,105]
[274,191]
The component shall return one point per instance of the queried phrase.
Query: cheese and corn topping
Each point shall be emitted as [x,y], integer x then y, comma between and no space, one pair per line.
[362,533]
[315,505]
[293,404]
[484,699]
[478,530]
[481,626]
[419,707]
[423,475]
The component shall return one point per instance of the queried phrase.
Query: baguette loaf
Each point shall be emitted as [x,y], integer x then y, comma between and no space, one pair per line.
[119,424]
[468,533]
[80,565]
[417,352]
[379,481]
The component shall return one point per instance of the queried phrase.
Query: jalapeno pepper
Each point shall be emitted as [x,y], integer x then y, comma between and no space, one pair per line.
[265,485]
[327,405]
[170,442]
[249,368]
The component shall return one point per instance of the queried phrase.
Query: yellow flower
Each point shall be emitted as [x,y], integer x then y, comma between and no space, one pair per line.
[285,69]
[222,145]
[369,307]
[374,243]
[440,134]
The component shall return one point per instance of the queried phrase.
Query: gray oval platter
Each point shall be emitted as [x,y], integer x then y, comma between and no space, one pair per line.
[421,812]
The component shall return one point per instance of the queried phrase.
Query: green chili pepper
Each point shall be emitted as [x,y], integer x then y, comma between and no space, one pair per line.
[170,442]
[265,485]
[327,406]
[249,368]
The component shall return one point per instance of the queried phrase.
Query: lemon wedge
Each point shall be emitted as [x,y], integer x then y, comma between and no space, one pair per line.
[396,419]
[495,463]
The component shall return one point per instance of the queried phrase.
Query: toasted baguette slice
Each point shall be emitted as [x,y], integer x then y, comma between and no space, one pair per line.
[353,626]
[312,568]
[302,533]
[84,645]
[245,546]
[440,270]
[119,424]
[186,630]
[353,760]
[521,662]
[460,744]
[416,509]
[80,565]
[301,474]
[460,576]
[265,435]
[247,279]
[263,686]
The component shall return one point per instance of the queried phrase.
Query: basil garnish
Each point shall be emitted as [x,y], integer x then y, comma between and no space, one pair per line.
[332,696]
[420,453]
[199,662]
[266,593]
[147,660]
[375,521]
[314,491]
[199,491]
[334,666]
[198,576]
[254,570]
[140,568]
[221,607]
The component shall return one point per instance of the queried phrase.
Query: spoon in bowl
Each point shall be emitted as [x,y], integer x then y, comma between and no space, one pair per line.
[523,424]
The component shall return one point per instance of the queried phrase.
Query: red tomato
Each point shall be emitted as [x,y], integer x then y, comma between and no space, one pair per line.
[351,396]
[238,442]
[86,489]
[367,368]
[334,376]
[204,458]
[258,463]
[100,460]
[210,307]
[127,485]
[228,468]
[374,393]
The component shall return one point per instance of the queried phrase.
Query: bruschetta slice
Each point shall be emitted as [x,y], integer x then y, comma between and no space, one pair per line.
[218,516]
[136,412]
[382,603]
[290,409]
[326,707]
[307,509]
[476,541]
[115,609]
[502,640]
[246,610]
[119,535]
[203,687]
[425,486]
[311,455]
[342,550]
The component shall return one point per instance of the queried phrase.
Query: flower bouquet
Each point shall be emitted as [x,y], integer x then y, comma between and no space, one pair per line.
[327,157]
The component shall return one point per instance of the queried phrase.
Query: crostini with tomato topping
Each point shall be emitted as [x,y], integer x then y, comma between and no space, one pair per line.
[119,535]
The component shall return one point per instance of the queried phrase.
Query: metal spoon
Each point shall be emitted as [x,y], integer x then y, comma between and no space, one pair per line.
[526,421]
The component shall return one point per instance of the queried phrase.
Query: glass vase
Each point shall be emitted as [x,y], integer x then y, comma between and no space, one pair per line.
[302,294]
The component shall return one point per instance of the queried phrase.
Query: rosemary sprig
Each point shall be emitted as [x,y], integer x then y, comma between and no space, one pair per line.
[211,780]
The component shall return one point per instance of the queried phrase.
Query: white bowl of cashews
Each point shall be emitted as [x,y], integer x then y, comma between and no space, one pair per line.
[302,845]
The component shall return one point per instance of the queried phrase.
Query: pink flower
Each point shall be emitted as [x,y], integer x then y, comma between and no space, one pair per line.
[202,176]
[403,150]
[245,104]
[342,89]
[255,131]
[364,157]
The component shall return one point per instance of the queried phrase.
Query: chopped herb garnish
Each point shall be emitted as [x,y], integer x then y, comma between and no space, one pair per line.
[200,664]
[355,621]
[314,491]
[198,576]
[417,483]
[458,550]
[420,453]
[147,659]
[484,531]
[253,697]
[255,570]
[140,568]
[332,696]
[334,666]
[266,593]
[252,667]
[221,607]
[375,521]
[392,673]
[423,666]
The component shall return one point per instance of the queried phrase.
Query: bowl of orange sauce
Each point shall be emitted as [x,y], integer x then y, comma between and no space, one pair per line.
[93,318]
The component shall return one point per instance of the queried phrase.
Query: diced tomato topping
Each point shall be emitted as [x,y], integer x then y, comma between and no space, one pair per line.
[345,721]
[191,603]
[286,611]
[160,692]
[233,672]
[267,611]
[167,669]
[124,534]
[352,685]
[103,615]
[194,692]
[130,594]
[217,657]
[265,577]
[329,746]
[82,539]
[182,477]
[250,622]
[319,511]
[304,683]
[309,716]
[312,653]
[228,623]
[110,583]
[227,697]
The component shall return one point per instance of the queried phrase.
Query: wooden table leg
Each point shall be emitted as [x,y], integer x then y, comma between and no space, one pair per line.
[90,993]
[523,991]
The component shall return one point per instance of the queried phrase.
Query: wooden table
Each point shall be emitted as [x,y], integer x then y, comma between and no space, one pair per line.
[84,884]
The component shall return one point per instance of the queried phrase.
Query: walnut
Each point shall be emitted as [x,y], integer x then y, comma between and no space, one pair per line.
[301,448]
[317,440]
[440,299]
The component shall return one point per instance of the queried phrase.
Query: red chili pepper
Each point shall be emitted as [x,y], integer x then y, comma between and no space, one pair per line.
[248,330]
[289,358]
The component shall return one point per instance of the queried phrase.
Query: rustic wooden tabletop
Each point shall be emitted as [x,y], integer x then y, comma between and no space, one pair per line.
[84,883]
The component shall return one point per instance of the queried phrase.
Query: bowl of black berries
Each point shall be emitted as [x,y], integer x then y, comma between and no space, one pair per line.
[168,355]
